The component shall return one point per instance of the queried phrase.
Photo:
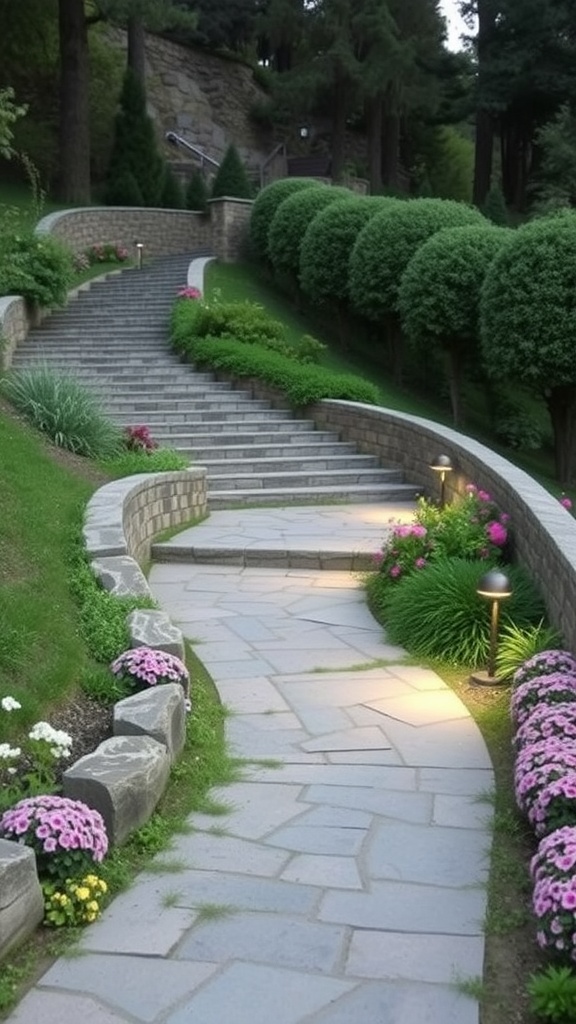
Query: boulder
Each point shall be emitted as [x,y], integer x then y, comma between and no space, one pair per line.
[21,901]
[124,779]
[159,712]
[121,576]
[152,628]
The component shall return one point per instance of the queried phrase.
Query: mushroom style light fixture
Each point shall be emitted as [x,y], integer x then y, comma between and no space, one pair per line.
[442,464]
[140,252]
[494,585]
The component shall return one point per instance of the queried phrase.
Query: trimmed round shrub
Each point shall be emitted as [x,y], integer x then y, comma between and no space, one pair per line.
[38,267]
[439,295]
[528,321]
[545,663]
[554,803]
[556,688]
[437,613]
[388,242]
[265,205]
[328,242]
[290,222]
[554,896]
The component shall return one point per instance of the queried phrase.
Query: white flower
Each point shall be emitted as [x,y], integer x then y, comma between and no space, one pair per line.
[60,742]
[7,752]
[10,704]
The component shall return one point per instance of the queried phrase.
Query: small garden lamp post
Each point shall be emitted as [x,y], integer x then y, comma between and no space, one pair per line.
[442,464]
[494,585]
[140,253]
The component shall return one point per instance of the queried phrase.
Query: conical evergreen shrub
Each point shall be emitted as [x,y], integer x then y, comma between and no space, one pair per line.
[231,178]
[172,194]
[124,191]
[135,151]
[494,207]
[197,193]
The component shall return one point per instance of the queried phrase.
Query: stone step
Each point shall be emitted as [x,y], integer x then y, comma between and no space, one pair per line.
[296,464]
[226,440]
[324,478]
[219,419]
[369,493]
[251,427]
[210,455]
[176,419]
[268,558]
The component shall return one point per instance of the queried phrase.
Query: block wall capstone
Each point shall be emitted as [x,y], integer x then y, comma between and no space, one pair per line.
[230,218]
[544,532]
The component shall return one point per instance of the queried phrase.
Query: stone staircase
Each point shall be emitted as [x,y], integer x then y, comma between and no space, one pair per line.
[114,338]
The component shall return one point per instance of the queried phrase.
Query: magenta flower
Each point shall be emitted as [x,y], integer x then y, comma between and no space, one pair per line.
[395,571]
[496,533]
[146,665]
[53,826]
[566,502]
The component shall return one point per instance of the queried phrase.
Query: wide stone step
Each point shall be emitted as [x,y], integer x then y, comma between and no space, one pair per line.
[220,417]
[293,465]
[211,455]
[175,419]
[354,494]
[225,440]
[261,557]
[348,476]
[253,427]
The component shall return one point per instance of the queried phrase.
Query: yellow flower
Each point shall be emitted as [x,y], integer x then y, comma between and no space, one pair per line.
[102,885]
[91,880]
[83,893]
[92,906]
[63,899]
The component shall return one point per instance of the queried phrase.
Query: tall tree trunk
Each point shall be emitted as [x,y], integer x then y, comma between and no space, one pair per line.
[561,404]
[390,144]
[74,182]
[374,114]
[136,48]
[339,130]
[483,154]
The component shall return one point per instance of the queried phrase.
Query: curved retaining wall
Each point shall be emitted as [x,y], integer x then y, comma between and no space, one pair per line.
[162,232]
[123,517]
[544,532]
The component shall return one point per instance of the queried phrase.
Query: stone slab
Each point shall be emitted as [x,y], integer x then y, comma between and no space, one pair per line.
[401,906]
[121,576]
[429,855]
[61,1008]
[21,900]
[323,870]
[159,712]
[439,959]
[397,1003]
[208,852]
[152,628]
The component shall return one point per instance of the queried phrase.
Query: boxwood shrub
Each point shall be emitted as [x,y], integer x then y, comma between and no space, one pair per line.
[265,205]
[290,222]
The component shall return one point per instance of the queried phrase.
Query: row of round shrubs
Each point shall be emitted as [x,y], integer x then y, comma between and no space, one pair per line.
[454,282]
[543,709]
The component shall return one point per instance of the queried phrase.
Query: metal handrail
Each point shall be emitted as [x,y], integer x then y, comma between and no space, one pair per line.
[177,140]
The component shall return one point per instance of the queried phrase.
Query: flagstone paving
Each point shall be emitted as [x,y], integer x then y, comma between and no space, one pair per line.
[346,884]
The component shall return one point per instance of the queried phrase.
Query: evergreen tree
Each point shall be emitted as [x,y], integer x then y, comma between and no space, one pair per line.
[135,150]
[231,178]
[494,207]
[172,195]
[197,193]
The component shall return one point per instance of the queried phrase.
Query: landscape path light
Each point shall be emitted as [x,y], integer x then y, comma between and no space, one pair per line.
[495,586]
[140,253]
[442,464]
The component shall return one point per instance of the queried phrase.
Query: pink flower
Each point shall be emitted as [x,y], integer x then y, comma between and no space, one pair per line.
[565,501]
[189,292]
[483,496]
[497,534]
[420,563]
[395,571]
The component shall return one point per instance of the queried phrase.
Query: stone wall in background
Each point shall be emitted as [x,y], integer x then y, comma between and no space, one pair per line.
[162,232]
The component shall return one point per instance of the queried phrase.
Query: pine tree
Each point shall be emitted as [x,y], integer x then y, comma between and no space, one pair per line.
[197,193]
[231,179]
[135,151]
[494,206]
[172,195]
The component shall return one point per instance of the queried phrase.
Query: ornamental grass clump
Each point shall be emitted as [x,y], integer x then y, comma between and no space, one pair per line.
[141,667]
[545,663]
[554,897]
[556,688]
[66,835]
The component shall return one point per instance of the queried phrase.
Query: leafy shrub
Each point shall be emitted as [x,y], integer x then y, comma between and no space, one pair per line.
[328,242]
[439,296]
[64,410]
[73,903]
[290,222]
[100,685]
[36,266]
[517,645]
[300,383]
[544,663]
[231,177]
[528,321]
[553,994]
[388,242]
[519,430]
[102,616]
[107,252]
[438,614]
[197,192]
[160,460]
[494,207]
[265,205]
[470,527]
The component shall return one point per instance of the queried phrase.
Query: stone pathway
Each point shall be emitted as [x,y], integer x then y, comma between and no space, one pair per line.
[346,885]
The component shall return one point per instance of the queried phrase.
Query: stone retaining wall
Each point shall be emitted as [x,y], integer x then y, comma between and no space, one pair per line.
[544,532]
[162,232]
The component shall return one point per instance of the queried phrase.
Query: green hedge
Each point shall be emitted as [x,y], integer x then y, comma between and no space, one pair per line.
[265,205]
[290,222]
[301,384]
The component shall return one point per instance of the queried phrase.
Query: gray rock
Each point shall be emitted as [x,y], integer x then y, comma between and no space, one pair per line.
[152,628]
[121,576]
[124,779]
[159,712]
[21,902]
